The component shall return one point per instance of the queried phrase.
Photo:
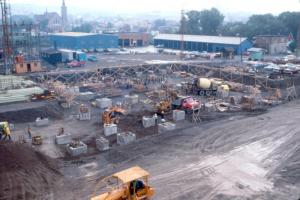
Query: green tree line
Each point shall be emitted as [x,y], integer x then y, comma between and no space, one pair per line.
[211,22]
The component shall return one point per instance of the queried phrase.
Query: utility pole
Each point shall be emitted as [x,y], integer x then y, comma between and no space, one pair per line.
[6,34]
[182,24]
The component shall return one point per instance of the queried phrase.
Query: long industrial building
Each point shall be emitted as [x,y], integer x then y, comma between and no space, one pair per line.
[203,42]
[76,40]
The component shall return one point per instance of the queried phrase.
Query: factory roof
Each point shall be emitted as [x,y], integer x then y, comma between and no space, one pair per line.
[202,38]
[74,34]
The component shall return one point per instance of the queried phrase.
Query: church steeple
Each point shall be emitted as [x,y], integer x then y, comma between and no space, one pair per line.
[64,16]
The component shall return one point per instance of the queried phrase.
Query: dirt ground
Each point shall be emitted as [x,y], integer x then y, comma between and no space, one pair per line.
[238,157]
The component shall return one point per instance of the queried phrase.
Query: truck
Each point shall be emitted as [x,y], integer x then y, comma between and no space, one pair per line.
[75,63]
[207,87]
[186,103]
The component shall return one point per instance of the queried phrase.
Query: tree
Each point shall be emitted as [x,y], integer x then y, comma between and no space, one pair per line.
[289,22]
[85,27]
[266,24]
[159,22]
[210,21]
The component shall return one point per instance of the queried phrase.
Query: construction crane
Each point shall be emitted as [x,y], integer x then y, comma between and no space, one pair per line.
[7,65]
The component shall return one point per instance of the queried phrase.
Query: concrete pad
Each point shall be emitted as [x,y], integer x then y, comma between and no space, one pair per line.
[102,144]
[42,122]
[103,103]
[167,126]
[125,138]
[63,139]
[80,149]
[178,115]
[148,122]
[110,129]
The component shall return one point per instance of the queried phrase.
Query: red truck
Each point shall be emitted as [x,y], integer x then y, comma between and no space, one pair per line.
[185,103]
[76,63]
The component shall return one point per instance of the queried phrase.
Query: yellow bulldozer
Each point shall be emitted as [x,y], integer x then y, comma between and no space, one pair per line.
[130,184]
[110,115]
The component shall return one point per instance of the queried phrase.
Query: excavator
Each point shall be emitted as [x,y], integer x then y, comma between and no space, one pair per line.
[129,184]
[110,115]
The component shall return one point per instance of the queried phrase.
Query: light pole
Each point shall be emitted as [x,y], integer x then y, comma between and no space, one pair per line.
[241,51]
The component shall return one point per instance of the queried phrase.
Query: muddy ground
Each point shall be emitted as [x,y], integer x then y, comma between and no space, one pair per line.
[239,157]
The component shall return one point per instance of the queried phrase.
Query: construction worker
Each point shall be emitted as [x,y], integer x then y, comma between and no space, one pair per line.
[61,131]
[29,131]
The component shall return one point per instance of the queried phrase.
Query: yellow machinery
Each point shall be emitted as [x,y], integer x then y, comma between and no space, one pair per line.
[109,116]
[130,184]
[37,140]
[163,107]
[4,129]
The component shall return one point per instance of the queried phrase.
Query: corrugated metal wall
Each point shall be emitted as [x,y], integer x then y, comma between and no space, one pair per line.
[200,46]
[99,41]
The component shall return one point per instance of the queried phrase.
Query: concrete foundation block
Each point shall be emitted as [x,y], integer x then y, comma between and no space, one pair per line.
[103,103]
[84,116]
[63,139]
[134,99]
[125,138]
[148,122]
[42,122]
[102,144]
[77,150]
[178,115]
[167,126]
[110,129]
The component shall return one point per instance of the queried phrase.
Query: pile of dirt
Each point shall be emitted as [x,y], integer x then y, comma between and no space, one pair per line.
[25,173]
[133,123]
[29,115]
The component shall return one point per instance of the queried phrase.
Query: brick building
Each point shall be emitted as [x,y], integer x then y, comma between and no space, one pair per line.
[274,44]
[133,39]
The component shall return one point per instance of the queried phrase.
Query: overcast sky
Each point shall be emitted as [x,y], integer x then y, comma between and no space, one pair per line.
[226,6]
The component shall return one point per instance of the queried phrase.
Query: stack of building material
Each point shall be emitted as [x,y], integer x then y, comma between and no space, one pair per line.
[104,103]
[16,95]
[102,144]
[125,138]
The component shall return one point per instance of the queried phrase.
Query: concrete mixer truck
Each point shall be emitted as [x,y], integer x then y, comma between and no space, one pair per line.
[207,87]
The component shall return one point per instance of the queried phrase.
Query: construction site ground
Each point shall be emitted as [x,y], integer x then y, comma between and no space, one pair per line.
[244,156]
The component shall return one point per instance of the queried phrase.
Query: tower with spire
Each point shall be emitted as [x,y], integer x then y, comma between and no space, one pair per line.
[64,16]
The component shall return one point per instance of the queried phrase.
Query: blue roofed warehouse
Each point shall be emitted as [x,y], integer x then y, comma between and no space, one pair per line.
[203,43]
[76,40]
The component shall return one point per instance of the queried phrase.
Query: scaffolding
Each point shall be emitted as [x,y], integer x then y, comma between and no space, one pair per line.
[6,57]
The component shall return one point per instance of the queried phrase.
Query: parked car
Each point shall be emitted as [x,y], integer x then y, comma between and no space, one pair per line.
[92,58]
[76,63]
